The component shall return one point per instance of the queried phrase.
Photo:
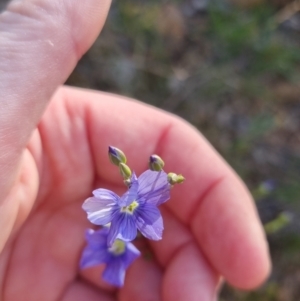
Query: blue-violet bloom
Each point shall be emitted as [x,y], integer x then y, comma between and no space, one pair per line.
[117,258]
[135,210]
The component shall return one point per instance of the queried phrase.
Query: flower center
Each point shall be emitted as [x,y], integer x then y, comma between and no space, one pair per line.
[130,208]
[118,247]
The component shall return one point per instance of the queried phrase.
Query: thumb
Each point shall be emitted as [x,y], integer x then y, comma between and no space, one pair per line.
[40,44]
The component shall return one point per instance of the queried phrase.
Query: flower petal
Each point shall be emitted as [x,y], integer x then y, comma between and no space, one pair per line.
[154,187]
[105,194]
[131,194]
[128,229]
[96,251]
[114,272]
[123,226]
[98,238]
[149,213]
[149,221]
[100,209]
[131,254]
[91,257]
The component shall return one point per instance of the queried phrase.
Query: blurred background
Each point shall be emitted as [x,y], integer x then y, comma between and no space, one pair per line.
[232,69]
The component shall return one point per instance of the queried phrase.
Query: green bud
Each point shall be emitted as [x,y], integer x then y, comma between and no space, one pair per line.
[180,179]
[125,171]
[116,156]
[173,178]
[156,163]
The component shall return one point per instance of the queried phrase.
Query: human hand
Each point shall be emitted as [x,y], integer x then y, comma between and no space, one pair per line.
[211,226]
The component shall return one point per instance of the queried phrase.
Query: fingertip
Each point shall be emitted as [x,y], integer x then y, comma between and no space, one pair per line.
[227,228]
[41,42]
[93,15]
[251,271]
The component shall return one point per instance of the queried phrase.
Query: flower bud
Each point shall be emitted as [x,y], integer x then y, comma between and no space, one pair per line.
[156,163]
[125,171]
[127,182]
[180,179]
[173,178]
[116,156]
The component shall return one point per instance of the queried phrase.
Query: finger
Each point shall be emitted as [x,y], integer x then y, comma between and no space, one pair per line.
[225,226]
[41,42]
[93,275]
[16,206]
[231,236]
[189,276]
[143,281]
[175,236]
[79,291]
[45,255]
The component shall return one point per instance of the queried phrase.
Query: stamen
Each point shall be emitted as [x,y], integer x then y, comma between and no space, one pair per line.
[118,247]
[130,208]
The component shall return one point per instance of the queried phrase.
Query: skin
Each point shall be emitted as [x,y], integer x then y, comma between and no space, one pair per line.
[53,152]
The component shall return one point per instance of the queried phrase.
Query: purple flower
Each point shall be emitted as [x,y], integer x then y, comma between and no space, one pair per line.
[117,258]
[136,209]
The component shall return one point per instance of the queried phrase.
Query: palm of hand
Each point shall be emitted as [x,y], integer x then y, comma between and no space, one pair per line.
[46,251]
[69,153]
